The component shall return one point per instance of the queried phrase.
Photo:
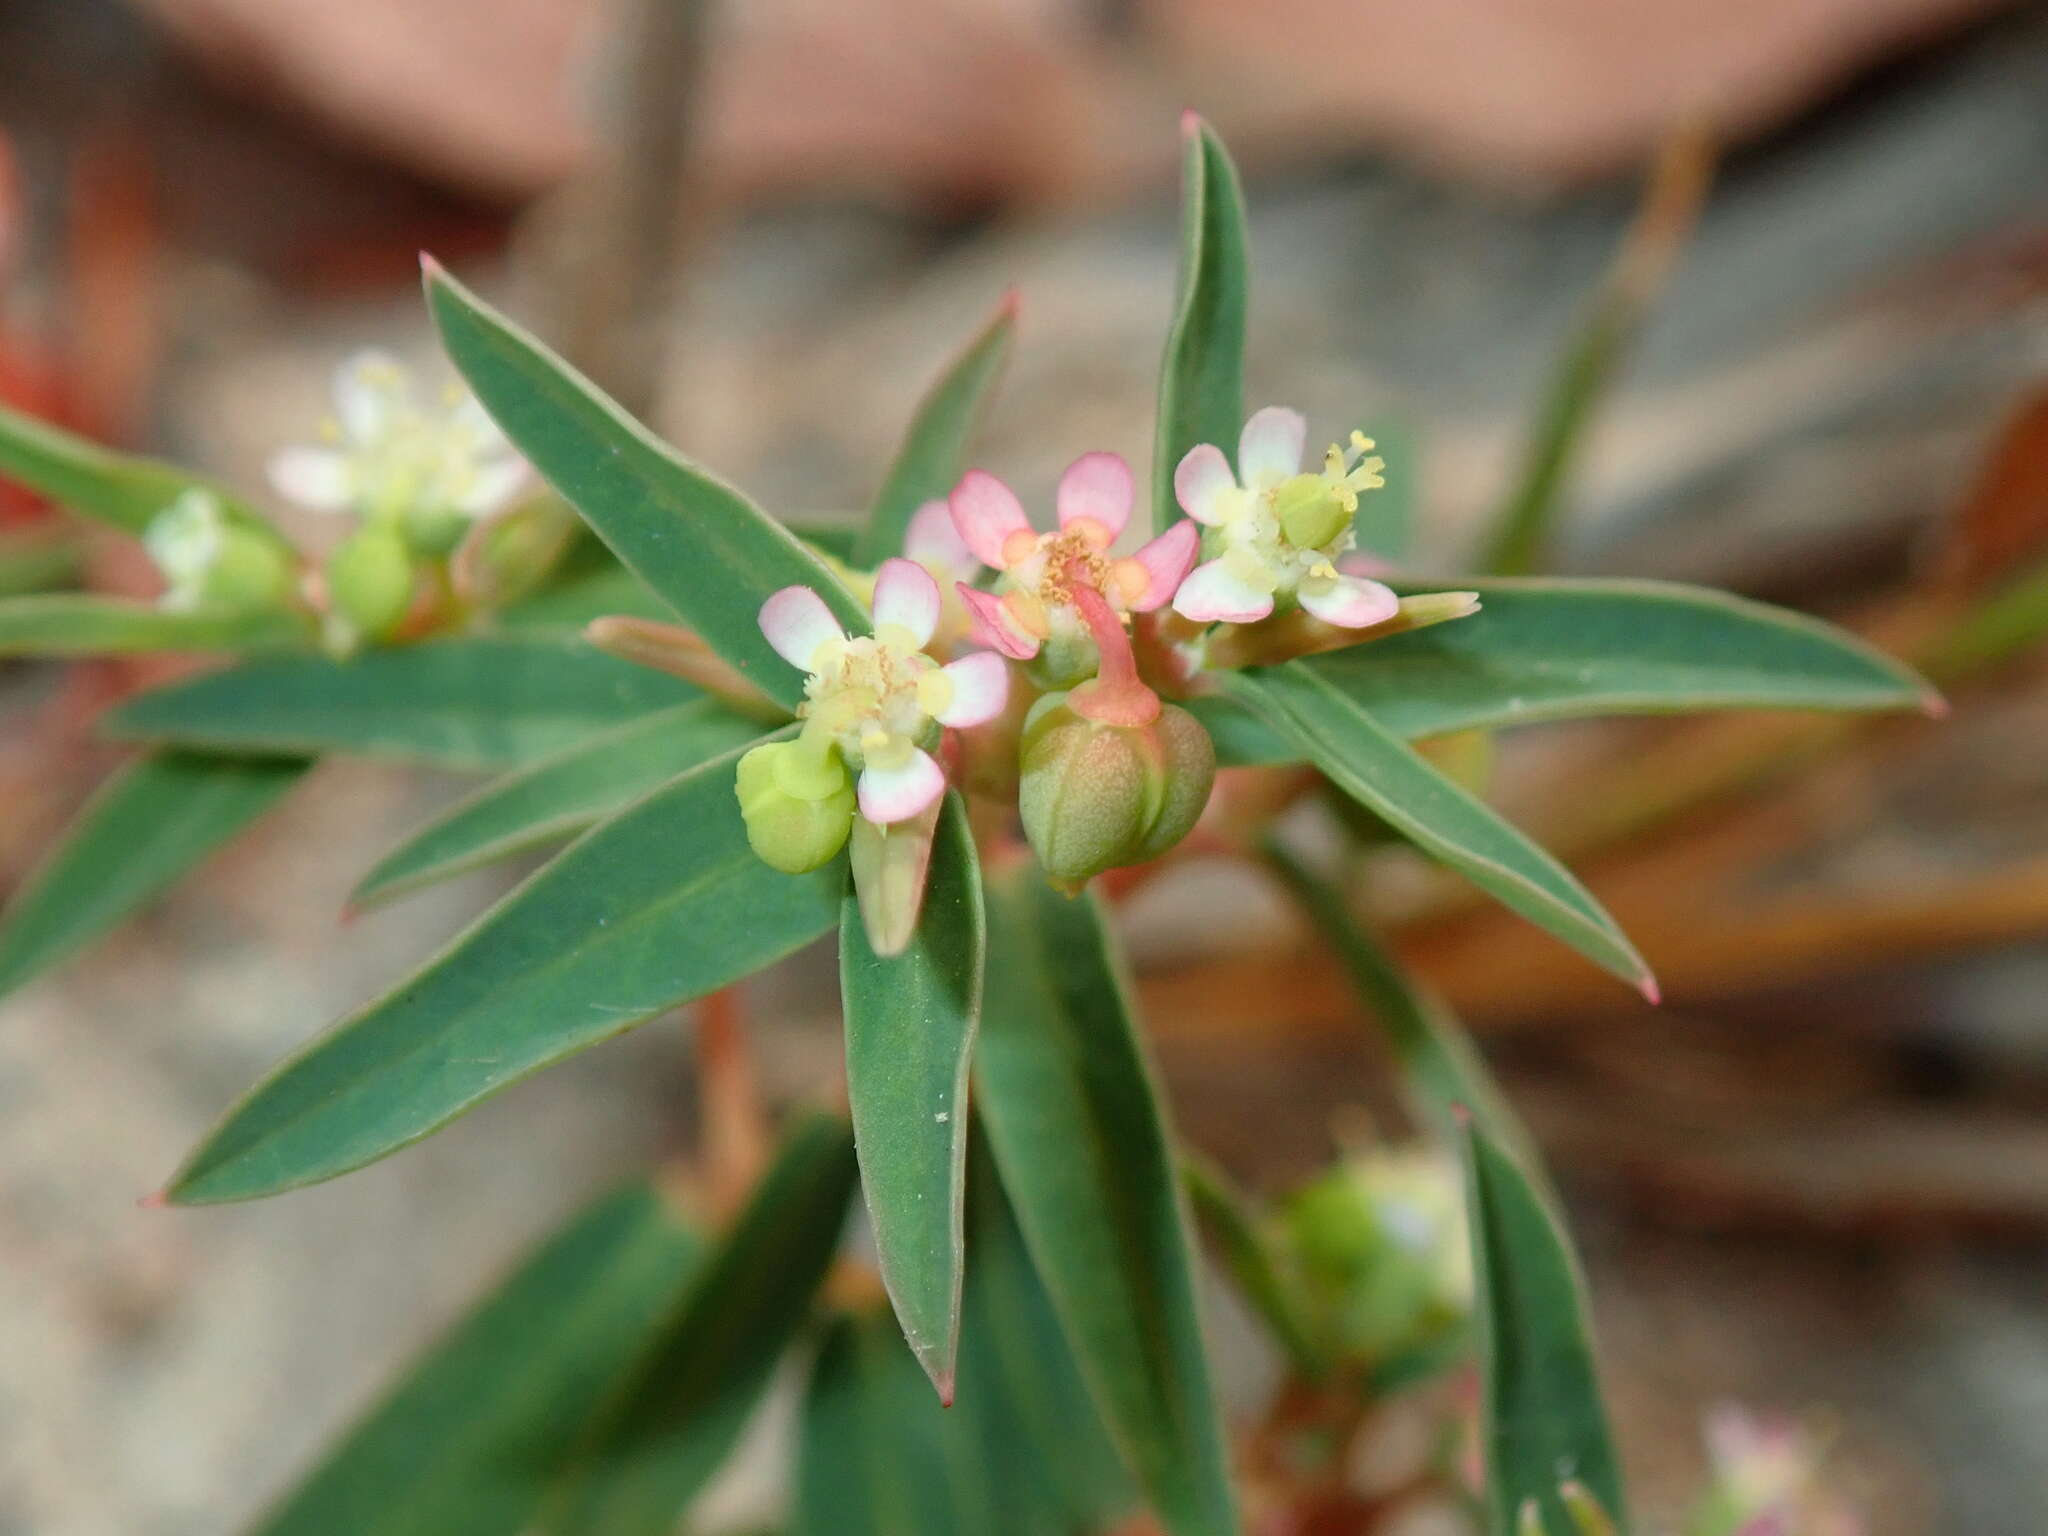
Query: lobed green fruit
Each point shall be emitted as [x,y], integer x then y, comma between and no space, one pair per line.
[797,816]
[1094,797]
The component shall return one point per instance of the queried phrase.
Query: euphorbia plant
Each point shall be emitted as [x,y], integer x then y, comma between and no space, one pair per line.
[933,738]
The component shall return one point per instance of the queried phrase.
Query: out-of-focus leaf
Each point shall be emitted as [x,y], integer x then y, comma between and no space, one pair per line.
[1386,517]
[1999,624]
[38,559]
[1381,772]
[97,482]
[696,1388]
[480,1429]
[590,584]
[934,451]
[85,624]
[472,702]
[511,554]
[1543,1422]
[557,797]
[910,1022]
[1251,1261]
[1442,1072]
[1522,530]
[151,823]
[1201,379]
[662,903]
[706,550]
[1079,1134]
[1554,649]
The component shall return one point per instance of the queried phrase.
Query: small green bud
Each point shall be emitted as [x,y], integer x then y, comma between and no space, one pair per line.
[1095,796]
[797,804]
[211,562]
[370,580]
[1311,515]
[432,533]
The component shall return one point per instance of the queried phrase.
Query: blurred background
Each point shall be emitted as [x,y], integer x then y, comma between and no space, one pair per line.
[1815,1180]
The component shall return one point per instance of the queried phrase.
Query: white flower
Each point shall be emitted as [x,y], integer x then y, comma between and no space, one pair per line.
[1280,533]
[391,456]
[186,541]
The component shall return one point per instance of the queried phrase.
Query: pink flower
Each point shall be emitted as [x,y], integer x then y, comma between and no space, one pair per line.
[877,701]
[1034,599]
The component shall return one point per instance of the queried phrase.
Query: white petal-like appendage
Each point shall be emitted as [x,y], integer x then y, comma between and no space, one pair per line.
[1269,449]
[995,626]
[1201,480]
[798,624]
[933,541]
[889,795]
[1213,593]
[906,595]
[986,512]
[1349,602]
[981,686]
[1167,561]
[318,478]
[368,386]
[1097,486]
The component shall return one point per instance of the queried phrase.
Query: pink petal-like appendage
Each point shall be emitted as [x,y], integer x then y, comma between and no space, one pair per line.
[1202,476]
[1213,593]
[889,795]
[1270,447]
[995,626]
[932,540]
[981,687]
[1167,561]
[797,623]
[1097,486]
[1350,602]
[985,513]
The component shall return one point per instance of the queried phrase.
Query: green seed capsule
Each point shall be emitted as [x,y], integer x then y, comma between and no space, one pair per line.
[1096,796]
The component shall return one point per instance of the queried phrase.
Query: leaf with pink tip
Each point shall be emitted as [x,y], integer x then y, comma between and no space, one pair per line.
[1201,377]
[705,549]
[910,1025]
[934,450]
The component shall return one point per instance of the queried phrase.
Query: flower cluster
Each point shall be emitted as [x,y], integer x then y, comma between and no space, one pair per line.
[1106,772]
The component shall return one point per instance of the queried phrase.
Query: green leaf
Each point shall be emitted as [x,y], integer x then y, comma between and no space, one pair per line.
[96,482]
[934,452]
[1377,769]
[1543,1421]
[1553,649]
[706,550]
[84,624]
[698,1385]
[480,1429]
[557,797]
[1387,518]
[1251,1261]
[148,825]
[1443,1076]
[477,702]
[1080,1137]
[1556,650]
[1201,379]
[910,1021]
[876,1456]
[660,904]
[590,585]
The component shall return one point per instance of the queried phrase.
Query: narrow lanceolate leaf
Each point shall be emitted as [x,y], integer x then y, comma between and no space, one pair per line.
[875,1455]
[660,904]
[1249,1257]
[910,1021]
[934,452]
[464,703]
[1561,649]
[82,624]
[693,1392]
[590,585]
[1080,1138]
[1443,1076]
[149,825]
[559,796]
[97,482]
[472,1439]
[1557,649]
[38,558]
[1543,1419]
[1381,772]
[1201,379]
[706,550]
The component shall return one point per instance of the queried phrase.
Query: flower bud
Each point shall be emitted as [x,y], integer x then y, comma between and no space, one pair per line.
[209,561]
[797,804]
[370,579]
[1095,796]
